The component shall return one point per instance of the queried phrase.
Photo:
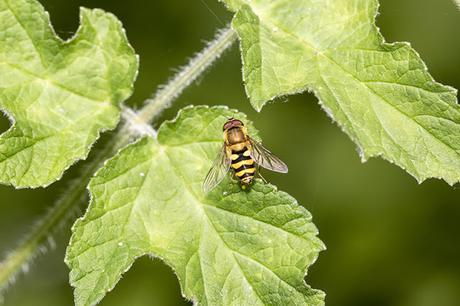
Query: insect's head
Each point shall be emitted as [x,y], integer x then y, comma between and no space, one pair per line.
[231,123]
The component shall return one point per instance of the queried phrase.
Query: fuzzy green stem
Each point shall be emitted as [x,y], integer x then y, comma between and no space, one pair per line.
[135,124]
[164,97]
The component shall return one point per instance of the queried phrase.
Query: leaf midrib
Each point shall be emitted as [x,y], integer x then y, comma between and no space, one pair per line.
[26,32]
[54,83]
[381,98]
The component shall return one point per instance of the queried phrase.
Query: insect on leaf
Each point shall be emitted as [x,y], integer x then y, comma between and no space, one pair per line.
[380,94]
[59,95]
[229,247]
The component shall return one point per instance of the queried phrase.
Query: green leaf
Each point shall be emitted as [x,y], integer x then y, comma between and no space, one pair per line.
[59,94]
[457,2]
[227,248]
[380,94]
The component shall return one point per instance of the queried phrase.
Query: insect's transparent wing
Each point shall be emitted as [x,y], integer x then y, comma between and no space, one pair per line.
[218,170]
[266,159]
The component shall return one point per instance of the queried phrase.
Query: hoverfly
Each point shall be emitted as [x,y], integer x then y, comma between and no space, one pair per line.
[240,153]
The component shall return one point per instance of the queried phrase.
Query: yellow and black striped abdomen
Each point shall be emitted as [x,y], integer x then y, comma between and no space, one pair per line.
[242,163]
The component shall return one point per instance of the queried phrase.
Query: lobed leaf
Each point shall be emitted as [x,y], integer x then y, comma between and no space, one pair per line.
[380,94]
[59,94]
[227,248]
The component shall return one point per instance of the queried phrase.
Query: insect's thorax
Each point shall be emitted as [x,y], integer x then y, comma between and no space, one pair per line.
[235,136]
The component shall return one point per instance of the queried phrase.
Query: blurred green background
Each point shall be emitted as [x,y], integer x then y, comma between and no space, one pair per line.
[390,240]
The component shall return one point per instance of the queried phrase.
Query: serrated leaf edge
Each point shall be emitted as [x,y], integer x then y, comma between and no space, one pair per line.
[272,188]
[364,157]
[82,13]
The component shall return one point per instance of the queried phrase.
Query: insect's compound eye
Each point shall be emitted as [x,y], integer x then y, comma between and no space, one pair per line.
[231,123]
[226,126]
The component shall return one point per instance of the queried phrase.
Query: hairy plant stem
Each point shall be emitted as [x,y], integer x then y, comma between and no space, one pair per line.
[164,97]
[135,124]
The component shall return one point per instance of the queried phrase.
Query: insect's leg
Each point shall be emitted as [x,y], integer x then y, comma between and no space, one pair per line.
[234,177]
[260,175]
